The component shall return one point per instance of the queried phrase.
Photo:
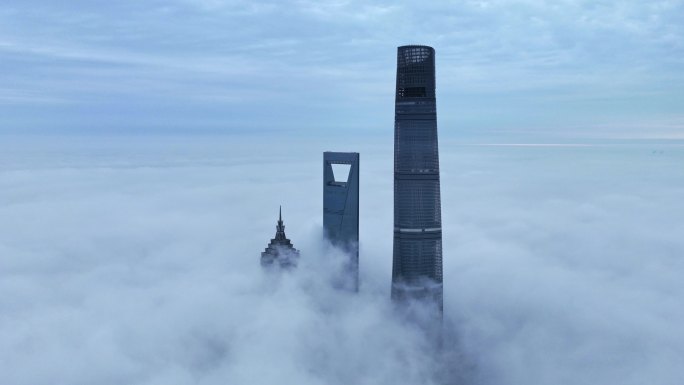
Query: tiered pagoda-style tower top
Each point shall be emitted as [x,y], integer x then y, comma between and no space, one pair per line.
[280,249]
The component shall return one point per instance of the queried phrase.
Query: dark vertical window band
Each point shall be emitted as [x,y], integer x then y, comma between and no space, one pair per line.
[417,259]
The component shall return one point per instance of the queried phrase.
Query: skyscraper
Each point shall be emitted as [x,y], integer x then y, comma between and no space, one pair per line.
[341,209]
[280,250]
[417,259]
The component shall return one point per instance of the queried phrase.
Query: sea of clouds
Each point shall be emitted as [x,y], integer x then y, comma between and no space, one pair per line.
[135,260]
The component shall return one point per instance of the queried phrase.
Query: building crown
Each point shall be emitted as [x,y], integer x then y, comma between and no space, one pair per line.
[280,249]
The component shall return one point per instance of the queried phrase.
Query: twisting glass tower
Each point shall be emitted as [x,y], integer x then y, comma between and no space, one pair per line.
[417,265]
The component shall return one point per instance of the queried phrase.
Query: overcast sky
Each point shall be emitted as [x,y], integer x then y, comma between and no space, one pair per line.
[574,68]
[134,258]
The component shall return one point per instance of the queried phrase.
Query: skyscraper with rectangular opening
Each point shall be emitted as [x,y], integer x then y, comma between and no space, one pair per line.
[417,259]
[341,210]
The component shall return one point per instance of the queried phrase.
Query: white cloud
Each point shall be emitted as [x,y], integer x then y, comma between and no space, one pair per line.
[136,260]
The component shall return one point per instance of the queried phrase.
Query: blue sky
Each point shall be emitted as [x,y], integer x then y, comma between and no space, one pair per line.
[575,69]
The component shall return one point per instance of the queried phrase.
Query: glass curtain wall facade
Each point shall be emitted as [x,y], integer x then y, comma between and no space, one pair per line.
[417,255]
[341,211]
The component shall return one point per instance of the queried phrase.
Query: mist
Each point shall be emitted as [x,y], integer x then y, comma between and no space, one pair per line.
[135,259]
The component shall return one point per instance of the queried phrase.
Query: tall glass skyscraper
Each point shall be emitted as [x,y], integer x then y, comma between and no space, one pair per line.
[341,211]
[417,265]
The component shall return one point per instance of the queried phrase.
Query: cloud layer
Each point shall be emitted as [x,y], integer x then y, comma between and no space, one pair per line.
[136,260]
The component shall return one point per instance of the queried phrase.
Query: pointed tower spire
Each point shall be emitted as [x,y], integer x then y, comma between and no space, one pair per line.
[280,249]
[280,229]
